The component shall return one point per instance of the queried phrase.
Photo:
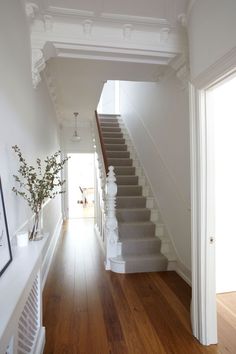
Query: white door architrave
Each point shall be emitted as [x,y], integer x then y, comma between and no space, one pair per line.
[203,307]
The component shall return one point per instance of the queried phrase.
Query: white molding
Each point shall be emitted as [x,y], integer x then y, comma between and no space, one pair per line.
[223,66]
[47,261]
[203,308]
[40,341]
[141,20]
[113,52]
[203,283]
[31,10]
[38,65]
[183,272]
[56,10]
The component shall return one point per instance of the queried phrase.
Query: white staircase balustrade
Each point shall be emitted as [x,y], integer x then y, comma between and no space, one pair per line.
[111,224]
[106,225]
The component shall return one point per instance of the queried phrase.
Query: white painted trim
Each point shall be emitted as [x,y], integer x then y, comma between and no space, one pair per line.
[39,347]
[135,19]
[203,307]
[224,66]
[98,234]
[47,261]
[183,272]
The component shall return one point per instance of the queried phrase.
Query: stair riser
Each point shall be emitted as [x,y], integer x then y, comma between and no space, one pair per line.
[137,247]
[127,180]
[139,266]
[109,125]
[106,121]
[110,129]
[131,202]
[133,215]
[113,135]
[120,162]
[136,230]
[118,154]
[129,190]
[117,147]
[111,141]
[124,171]
[158,265]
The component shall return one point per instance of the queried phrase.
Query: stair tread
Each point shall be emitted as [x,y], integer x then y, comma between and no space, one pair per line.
[131,196]
[140,239]
[132,209]
[136,222]
[131,257]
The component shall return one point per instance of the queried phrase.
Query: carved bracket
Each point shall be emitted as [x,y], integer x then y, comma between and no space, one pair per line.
[38,64]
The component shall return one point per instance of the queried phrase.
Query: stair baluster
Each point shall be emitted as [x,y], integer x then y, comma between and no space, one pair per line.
[111,224]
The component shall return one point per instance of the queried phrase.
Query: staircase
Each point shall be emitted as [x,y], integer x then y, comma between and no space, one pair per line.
[139,247]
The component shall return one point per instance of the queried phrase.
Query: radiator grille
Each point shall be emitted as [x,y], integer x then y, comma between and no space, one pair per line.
[29,321]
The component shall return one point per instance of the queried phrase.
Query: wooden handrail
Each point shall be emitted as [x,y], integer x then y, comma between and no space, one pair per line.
[102,143]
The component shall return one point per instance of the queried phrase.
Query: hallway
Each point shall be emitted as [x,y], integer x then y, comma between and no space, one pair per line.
[91,311]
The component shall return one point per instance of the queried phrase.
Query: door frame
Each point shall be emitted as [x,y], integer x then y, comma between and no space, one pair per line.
[203,305]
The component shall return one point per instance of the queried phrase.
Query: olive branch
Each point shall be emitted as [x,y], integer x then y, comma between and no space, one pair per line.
[36,184]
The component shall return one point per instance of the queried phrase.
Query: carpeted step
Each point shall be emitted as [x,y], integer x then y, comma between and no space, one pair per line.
[115,147]
[131,202]
[115,141]
[109,125]
[111,129]
[136,229]
[133,214]
[138,246]
[124,170]
[129,190]
[126,180]
[138,264]
[112,135]
[120,161]
[115,154]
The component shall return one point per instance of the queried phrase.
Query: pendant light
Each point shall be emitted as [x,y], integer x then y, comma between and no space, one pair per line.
[76,136]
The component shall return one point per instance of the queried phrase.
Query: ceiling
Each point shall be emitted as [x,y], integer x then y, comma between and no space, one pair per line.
[83,43]
[79,82]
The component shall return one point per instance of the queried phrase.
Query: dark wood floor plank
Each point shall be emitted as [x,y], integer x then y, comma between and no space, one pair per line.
[88,310]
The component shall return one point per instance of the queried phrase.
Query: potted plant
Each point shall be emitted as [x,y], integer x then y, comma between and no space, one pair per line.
[38,183]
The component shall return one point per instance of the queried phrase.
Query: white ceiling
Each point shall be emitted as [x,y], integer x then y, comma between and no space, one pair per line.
[78,83]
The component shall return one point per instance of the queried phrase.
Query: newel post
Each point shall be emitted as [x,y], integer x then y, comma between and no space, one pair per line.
[111,225]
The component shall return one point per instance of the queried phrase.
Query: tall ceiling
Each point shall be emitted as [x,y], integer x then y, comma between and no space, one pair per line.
[83,43]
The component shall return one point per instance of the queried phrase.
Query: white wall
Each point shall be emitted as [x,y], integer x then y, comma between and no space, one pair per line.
[211,32]
[157,118]
[27,116]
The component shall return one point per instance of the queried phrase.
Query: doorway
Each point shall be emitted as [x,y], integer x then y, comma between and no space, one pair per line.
[80,185]
[202,130]
[221,117]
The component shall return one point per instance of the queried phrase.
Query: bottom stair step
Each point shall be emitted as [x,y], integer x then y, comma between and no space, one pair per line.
[139,246]
[139,264]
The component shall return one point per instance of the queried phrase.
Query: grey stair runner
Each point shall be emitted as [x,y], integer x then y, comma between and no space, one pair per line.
[140,248]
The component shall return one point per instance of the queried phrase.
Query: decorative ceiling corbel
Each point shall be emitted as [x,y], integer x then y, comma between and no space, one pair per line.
[38,64]
[127,31]
[31,10]
[181,67]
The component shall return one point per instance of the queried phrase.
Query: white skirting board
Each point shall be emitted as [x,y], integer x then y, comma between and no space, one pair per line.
[39,347]
[50,251]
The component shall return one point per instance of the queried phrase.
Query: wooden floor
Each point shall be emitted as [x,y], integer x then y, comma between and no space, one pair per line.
[92,311]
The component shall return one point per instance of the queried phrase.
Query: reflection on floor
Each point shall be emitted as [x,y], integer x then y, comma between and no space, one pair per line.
[88,310]
[226,308]
[83,211]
